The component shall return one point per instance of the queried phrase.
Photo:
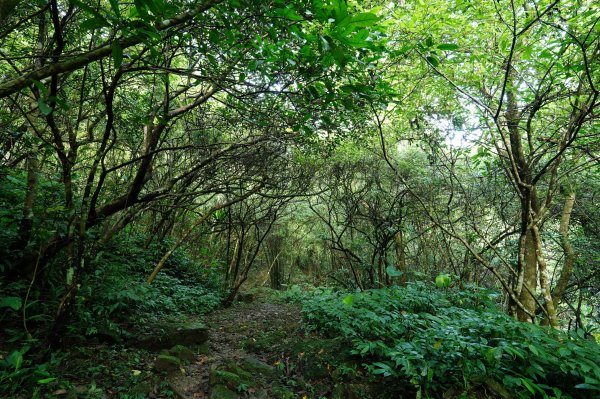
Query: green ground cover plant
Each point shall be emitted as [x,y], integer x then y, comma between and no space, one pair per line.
[443,340]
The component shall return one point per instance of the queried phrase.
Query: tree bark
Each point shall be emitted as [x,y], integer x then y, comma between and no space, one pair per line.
[400,257]
[529,276]
[569,253]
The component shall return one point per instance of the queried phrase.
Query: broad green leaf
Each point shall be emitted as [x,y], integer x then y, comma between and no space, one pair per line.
[15,359]
[114,5]
[117,54]
[12,302]
[442,280]
[94,23]
[433,61]
[45,109]
[348,300]
[358,40]
[587,386]
[364,19]
[288,13]
[340,9]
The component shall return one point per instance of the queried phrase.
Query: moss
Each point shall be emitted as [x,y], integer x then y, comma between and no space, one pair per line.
[167,363]
[183,353]
[222,392]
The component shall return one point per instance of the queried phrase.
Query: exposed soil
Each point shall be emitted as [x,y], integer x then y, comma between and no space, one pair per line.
[250,341]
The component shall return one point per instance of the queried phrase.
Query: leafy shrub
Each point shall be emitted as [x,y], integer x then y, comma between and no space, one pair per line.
[117,293]
[439,341]
[18,371]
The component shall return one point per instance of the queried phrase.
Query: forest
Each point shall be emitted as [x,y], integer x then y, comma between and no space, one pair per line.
[299,199]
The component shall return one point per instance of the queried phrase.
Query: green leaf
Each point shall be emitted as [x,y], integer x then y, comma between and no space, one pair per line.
[45,109]
[448,46]
[358,40]
[364,19]
[442,280]
[46,380]
[393,272]
[12,302]
[94,23]
[15,359]
[340,9]
[348,300]
[528,385]
[114,4]
[117,54]
[587,386]
[433,61]
[288,13]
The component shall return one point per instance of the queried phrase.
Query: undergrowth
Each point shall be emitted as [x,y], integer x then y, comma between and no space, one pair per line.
[113,304]
[451,344]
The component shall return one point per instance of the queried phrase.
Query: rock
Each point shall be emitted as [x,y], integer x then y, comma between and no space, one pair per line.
[167,363]
[223,377]
[222,392]
[167,335]
[183,353]
[191,334]
[255,366]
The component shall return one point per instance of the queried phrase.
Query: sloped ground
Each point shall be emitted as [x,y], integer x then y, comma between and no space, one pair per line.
[247,355]
[255,350]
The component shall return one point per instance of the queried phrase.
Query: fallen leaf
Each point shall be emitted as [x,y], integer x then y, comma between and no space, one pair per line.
[59,392]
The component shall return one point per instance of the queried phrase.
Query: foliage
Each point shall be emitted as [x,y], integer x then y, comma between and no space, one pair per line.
[438,340]
[117,291]
[19,371]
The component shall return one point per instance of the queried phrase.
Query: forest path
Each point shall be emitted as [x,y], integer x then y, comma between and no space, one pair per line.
[246,354]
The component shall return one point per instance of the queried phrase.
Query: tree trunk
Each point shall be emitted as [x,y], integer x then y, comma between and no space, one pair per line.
[28,213]
[544,280]
[529,277]
[567,270]
[400,257]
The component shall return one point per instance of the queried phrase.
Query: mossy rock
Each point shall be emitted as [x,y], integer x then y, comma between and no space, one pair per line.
[224,377]
[167,363]
[183,353]
[167,335]
[255,366]
[222,392]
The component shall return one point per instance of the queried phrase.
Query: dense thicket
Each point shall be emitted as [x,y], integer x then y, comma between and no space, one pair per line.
[359,145]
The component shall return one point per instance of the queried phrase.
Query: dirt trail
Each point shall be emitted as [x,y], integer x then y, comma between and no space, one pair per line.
[247,344]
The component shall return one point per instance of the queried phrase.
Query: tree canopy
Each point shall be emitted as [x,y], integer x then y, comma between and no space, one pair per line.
[357,145]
